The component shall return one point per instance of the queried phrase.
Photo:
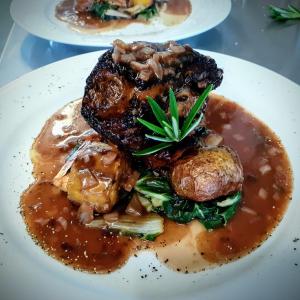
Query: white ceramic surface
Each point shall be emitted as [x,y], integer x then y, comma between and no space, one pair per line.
[26,272]
[38,18]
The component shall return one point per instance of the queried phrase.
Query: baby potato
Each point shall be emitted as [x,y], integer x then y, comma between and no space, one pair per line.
[211,173]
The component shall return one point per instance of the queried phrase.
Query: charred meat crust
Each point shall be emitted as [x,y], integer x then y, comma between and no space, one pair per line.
[115,94]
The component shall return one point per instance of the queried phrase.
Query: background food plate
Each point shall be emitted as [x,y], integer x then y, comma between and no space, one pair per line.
[26,272]
[38,18]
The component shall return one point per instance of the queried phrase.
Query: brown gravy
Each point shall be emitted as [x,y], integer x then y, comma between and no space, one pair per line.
[185,248]
[76,14]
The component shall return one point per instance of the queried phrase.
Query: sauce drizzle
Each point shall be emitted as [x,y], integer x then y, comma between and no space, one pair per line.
[51,218]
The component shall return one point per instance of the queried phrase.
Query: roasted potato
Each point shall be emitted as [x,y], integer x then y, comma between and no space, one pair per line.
[96,179]
[211,173]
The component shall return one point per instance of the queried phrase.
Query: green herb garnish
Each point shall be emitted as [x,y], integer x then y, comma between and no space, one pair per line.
[100,8]
[282,14]
[169,131]
[156,195]
[148,12]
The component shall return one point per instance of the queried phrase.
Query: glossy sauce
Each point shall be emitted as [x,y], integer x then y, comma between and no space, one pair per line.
[267,182]
[52,219]
[76,14]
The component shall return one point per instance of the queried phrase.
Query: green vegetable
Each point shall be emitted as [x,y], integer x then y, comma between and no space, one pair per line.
[148,12]
[169,131]
[282,14]
[100,8]
[156,195]
[147,227]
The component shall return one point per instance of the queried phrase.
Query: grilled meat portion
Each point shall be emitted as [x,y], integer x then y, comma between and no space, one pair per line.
[211,173]
[117,89]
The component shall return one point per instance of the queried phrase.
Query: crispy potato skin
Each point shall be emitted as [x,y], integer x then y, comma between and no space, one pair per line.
[211,173]
[98,181]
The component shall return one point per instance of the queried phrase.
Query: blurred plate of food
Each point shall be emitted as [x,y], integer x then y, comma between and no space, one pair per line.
[97,23]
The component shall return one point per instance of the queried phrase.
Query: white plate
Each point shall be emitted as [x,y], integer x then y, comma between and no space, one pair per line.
[26,272]
[37,17]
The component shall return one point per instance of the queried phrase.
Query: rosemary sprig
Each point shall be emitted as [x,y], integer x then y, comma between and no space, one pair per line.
[284,14]
[169,131]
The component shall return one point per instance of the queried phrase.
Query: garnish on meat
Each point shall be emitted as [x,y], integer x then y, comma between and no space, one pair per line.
[169,130]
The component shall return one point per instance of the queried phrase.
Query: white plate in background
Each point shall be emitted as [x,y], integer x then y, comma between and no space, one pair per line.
[26,272]
[38,18]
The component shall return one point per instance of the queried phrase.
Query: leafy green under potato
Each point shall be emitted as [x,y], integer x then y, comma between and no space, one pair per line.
[156,194]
